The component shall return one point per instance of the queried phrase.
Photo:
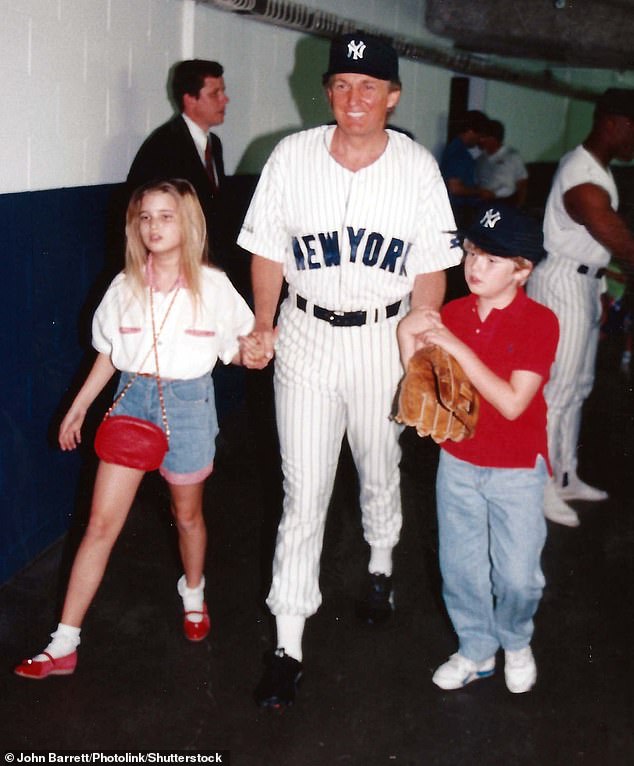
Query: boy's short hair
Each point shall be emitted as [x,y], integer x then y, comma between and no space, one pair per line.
[522,263]
[505,231]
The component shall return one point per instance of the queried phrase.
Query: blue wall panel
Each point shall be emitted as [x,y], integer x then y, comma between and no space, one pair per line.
[53,266]
[59,249]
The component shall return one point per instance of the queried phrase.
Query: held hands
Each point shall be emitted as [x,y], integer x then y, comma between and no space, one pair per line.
[258,348]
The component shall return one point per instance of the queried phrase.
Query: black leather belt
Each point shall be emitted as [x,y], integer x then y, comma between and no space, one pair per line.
[583,269]
[349,318]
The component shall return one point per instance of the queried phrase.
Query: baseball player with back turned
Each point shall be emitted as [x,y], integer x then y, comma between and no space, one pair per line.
[582,230]
[356,218]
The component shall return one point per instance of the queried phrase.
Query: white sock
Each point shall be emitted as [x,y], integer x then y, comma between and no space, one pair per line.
[380,561]
[192,598]
[290,629]
[65,640]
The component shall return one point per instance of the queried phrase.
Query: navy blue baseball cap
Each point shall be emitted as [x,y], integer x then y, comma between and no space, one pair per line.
[503,230]
[361,53]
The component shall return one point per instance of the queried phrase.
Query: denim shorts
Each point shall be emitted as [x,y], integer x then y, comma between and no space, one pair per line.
[192,420]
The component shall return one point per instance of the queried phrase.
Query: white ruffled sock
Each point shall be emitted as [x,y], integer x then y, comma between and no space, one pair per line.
[65,640]
[193,598]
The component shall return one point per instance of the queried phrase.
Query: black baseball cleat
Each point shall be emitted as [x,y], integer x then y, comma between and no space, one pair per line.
[376,604]
[278,685]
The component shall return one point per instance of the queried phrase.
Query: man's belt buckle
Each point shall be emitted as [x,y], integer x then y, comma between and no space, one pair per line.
[344,318]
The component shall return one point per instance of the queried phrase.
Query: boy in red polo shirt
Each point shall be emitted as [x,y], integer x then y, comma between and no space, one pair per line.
[490,488]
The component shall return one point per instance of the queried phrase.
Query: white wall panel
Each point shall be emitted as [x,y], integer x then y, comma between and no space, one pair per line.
[86,81]
[14,146]
[144,41]
[15,36]
[49,8]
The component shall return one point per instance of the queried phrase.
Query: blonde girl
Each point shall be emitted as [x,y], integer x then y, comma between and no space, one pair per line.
[198,317]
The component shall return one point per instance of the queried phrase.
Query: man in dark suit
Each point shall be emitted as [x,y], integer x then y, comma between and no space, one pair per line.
[185,147]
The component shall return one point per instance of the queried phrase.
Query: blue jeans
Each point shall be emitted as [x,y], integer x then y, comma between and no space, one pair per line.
[491,532]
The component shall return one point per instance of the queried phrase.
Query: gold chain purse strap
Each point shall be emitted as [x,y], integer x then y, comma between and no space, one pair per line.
[155,336]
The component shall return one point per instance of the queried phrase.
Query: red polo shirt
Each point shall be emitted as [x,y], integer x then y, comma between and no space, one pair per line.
[522,336]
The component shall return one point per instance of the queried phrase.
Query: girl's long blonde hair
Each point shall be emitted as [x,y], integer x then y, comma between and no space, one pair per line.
[193,230]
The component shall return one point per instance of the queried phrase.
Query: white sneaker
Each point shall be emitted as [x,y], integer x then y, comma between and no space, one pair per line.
[556,510]
[458,671]
[576,489]
[520,671]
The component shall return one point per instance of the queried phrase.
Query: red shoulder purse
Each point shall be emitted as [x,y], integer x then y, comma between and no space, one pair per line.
[130,441]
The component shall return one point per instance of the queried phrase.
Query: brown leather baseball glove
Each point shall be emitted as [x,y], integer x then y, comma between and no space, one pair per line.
[437,398]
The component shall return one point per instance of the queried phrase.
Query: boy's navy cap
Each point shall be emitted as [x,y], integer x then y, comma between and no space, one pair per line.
[619,101]
[503,230]
[361,53]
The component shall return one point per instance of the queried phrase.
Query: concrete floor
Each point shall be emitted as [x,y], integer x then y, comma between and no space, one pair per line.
[367,696]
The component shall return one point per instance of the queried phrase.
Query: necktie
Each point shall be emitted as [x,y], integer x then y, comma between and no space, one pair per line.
[209,165]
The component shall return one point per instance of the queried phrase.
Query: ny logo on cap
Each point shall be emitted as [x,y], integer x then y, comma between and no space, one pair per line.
[356,50]
[490,218]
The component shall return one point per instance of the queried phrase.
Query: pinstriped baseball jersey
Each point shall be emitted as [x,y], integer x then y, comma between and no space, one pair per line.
[351,240]
[348,241]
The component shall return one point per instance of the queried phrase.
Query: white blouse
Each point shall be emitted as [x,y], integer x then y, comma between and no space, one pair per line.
[192,337]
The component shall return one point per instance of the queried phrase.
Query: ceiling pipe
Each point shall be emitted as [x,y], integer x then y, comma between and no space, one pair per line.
[293,15]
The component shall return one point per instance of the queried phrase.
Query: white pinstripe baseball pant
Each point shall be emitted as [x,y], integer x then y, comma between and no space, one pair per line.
[576,300]
[328,381]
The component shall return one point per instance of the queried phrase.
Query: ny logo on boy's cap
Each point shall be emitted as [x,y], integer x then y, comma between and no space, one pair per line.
[356,49]
[490,218]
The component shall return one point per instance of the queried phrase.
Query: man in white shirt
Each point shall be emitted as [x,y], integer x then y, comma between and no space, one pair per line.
[500,168]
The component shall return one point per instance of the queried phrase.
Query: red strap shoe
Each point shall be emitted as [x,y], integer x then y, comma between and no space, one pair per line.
[51,666]
[197,631]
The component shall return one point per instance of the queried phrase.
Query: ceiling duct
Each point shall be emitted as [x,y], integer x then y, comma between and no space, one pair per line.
[293,15]
[576,33]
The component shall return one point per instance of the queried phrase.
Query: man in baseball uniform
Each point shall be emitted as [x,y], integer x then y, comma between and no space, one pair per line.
[355,217]
[581,232]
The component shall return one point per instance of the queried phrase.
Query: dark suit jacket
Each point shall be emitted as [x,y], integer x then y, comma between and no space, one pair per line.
[170,152]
